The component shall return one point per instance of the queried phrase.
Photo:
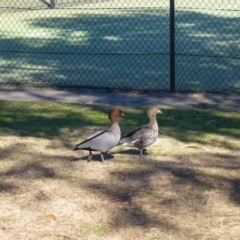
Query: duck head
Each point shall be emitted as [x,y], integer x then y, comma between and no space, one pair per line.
[114,114]
[152,111]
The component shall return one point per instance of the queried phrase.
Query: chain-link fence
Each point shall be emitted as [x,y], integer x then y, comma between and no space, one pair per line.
[121,44]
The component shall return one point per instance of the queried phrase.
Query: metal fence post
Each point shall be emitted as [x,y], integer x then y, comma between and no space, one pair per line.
[172,45]
[52,3]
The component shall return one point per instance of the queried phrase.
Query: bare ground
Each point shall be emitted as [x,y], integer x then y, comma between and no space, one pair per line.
[179,191]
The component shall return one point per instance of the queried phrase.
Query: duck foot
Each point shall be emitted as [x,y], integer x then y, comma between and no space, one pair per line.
[144,151]
[147,151]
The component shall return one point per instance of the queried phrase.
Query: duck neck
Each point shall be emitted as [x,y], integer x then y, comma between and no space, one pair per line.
[115,126]
[153,122]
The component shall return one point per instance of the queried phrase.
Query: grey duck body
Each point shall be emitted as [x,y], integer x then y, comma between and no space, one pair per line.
[144,135]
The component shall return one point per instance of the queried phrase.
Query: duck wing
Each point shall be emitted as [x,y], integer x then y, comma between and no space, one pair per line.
[136,135]
[96,134]
[100,141]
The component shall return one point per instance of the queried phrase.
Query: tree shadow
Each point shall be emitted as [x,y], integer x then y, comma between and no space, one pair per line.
[8,187]
[47,120]
[127,211]
[30,171]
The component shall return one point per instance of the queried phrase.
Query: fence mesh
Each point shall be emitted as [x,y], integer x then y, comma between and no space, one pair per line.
[120,44]
[208,46]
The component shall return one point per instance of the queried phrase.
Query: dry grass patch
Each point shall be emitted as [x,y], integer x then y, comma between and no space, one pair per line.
[187,188]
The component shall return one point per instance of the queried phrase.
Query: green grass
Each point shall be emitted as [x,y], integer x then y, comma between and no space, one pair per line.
[98,229]
[59,121]
[47,119]
[53,120]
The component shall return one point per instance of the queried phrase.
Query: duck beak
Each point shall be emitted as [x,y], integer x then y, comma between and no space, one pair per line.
[159,111]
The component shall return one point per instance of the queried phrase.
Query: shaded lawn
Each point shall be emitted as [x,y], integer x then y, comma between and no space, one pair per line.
[53,120]
[187,188]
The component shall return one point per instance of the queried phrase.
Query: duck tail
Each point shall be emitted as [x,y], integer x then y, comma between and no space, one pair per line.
[76,148]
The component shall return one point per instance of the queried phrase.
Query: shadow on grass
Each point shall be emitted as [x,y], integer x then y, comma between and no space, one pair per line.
[50,120]
[31,170]
[139,191]
[64,121]
[7,187]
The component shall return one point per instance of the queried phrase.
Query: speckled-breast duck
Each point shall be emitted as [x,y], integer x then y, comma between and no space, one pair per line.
[103,140]
[144,135]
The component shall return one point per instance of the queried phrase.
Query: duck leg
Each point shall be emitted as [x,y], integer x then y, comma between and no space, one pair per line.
[89,156]
[102,157]
[141,155]
[147,151]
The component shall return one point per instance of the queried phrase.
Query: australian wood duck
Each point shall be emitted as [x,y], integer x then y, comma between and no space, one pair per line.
[103,140]
[144,135]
